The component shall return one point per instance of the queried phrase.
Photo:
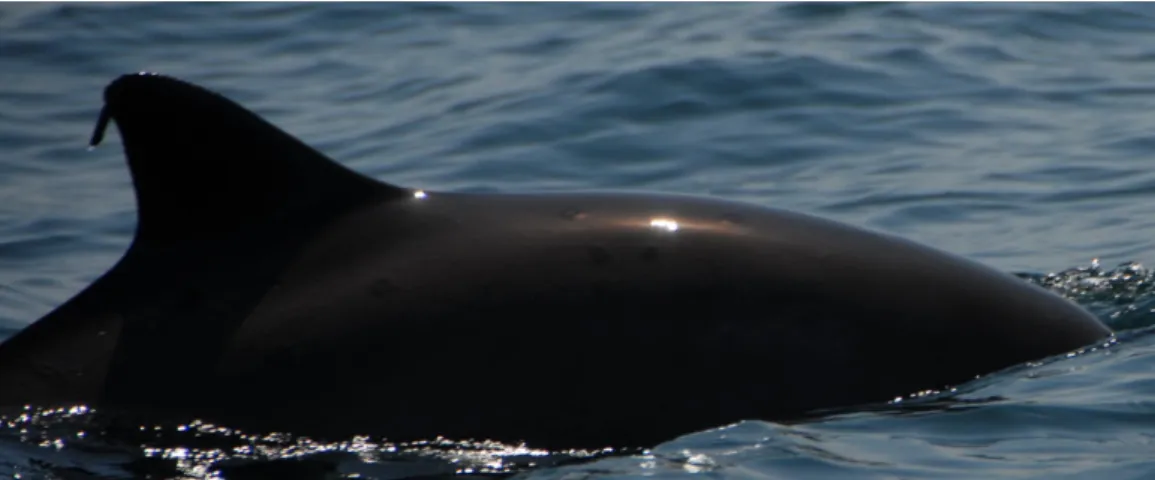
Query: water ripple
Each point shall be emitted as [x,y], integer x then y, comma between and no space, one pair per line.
[1016,134]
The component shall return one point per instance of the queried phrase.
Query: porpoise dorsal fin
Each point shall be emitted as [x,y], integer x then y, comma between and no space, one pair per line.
[203,165]
[214,183]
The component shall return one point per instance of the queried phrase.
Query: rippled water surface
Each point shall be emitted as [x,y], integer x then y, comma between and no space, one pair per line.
[1020,135]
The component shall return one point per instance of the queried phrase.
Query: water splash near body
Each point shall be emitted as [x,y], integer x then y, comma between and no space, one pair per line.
[1121,296]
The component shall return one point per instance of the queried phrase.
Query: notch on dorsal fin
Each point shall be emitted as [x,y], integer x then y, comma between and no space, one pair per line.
[202,165]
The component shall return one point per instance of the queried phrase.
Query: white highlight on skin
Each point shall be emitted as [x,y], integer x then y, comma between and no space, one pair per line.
[664,223]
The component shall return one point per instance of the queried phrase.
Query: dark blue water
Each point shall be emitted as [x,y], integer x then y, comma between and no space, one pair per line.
[1019,135]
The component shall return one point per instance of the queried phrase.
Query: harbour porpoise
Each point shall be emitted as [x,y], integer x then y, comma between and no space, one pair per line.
[269,288]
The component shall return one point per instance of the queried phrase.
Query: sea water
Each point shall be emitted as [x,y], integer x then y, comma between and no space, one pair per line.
[1019,135]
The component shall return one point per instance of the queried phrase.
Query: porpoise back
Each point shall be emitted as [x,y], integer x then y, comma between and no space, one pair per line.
[269,288]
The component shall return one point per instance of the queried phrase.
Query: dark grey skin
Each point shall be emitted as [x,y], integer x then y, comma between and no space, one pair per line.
[269,288]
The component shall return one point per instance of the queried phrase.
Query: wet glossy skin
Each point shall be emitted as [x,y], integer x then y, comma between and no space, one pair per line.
[619,320]
[302,297]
